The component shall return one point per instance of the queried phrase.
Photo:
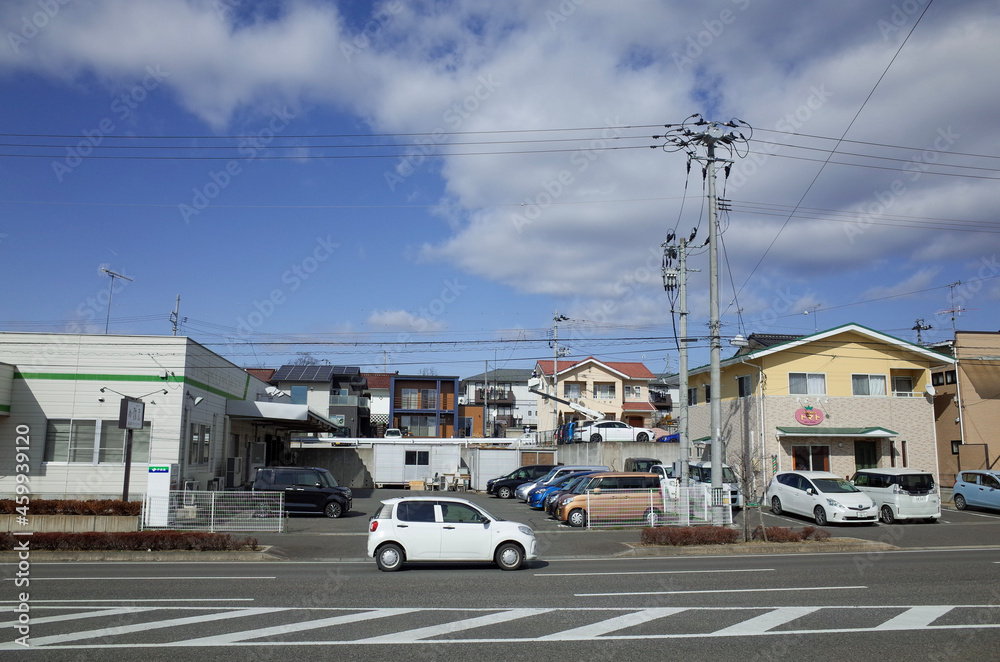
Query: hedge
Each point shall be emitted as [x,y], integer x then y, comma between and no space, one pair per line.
[145,541]
[720,535]
[74,507]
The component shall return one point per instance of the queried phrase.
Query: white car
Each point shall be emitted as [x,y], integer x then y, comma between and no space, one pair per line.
[613,431]
[431,529]
[824,496]
[393,433]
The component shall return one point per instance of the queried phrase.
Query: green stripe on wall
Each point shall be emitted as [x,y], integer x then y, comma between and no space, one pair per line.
[69,376]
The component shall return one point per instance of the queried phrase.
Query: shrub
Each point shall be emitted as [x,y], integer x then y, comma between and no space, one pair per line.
[75,507]
[785,534]
[689,535]
[132,541]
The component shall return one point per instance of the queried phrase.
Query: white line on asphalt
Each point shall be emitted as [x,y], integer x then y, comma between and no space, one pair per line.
[595,630]
[456,626]
[765,622]
[132,600]
[915,618]
[648,572]
[725,590]
[118,579]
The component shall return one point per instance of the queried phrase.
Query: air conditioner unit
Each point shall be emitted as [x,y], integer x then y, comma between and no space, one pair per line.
[190,486]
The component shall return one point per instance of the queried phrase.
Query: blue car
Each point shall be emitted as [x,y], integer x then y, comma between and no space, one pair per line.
[977,488]
[537,496]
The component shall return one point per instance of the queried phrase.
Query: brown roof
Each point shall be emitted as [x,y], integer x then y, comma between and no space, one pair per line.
[263,374]
[378,379]
[629,369]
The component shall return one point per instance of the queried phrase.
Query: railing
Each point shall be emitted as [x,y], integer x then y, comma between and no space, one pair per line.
[349,401]
[494,396]
[670,505]
[215,511]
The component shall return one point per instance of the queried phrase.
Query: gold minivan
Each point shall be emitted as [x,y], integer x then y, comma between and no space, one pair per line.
[614,497]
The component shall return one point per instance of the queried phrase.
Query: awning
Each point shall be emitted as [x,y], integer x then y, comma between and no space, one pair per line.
[638,406]
[292,417]
[835,432]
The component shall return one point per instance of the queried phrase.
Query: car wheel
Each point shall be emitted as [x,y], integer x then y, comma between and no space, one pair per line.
[596,438]
[577,518]
[776,505]
[887,515]
[652,516]
[505,492]
[642,436]
[509,556]
[820,516]
[333,509]
[960,502]
[389,557]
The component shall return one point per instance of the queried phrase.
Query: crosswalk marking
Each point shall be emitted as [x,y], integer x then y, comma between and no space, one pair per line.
[915,618]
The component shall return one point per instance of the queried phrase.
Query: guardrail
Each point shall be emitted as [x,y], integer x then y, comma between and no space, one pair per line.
[215,511]
[671,505]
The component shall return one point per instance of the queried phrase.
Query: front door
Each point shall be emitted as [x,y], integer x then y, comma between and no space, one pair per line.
[865,454]
[464,534]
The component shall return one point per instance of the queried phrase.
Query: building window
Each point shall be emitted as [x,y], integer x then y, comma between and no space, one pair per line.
[949,377]
[198,444]
[811,458]
[112,443]
[692,396]
[419,426]
[868,384]
[417,458]
[571,389]
[902,387]
[745,386]
[806,383]
[708,393]
[955,445]
[299,395]
[604,391]
[67,440]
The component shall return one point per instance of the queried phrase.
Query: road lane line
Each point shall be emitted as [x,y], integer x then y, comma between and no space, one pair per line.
[407,636]
[915,618]
[86,614]
[118,579]
[596,630]
[764,622]
[648,572]
[279,630]
[725,590]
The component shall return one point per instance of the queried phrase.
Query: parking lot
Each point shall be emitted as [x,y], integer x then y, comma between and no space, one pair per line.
[316,537]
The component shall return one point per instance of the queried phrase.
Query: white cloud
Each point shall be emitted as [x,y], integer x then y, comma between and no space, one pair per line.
[401,320]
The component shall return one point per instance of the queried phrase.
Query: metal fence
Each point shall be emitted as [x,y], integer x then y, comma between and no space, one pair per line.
[671,505]
[215,511]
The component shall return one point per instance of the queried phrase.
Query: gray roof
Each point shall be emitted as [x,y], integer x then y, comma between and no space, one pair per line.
[314,373]
[504,375]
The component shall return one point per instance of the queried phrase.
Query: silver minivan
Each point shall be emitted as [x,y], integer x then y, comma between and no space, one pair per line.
[555,474]
[900,493]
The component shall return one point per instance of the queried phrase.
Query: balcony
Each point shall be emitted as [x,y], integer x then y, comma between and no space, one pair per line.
[494,396]
[660,400]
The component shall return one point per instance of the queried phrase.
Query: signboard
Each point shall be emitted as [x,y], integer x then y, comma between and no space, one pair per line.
[131,414]
[809,416]
[158,496]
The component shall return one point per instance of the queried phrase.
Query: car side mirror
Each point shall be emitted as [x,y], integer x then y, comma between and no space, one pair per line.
[486,522]
[597,490]
[810,490]
[319,485]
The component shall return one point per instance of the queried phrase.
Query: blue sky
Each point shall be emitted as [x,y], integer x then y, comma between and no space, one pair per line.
[425,184]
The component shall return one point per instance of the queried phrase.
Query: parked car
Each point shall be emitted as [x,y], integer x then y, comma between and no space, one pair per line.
[977,488]
[643,464]
[596,431]
[393,433]
[824,496]
[553,500]
[664,471]
[419,529]
[556,472]
[900,493]
[504,486]
[536,496]
[614,496]
[701,472]
[307,489]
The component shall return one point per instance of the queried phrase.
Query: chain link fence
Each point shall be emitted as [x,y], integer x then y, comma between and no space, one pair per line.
[215,511]
[671,505]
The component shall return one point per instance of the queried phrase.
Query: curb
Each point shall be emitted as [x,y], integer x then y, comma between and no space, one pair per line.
[49,556]
[738,549]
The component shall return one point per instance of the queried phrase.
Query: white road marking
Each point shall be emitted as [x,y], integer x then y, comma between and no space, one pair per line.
[648,572]
[915,618]
[725,590]
[765,622]
[595,630]
[118,579]
[456,626]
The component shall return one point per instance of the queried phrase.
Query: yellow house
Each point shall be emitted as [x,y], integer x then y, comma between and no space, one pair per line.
[839,400]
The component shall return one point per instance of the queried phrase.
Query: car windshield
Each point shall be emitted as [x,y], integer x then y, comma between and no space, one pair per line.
[916,482]
[833,485]
[571,485]
[327,479]
[705,474]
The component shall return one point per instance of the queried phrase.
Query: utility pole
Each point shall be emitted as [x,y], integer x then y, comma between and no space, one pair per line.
[486,397]
[920,326]
[689,136]
[677,279]
[107,322]
[555,368]
[174,315]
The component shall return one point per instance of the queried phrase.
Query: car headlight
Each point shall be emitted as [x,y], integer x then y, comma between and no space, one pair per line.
[834,503]
[526,530]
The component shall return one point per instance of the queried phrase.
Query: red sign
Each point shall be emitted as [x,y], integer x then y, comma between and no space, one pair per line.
[808,416]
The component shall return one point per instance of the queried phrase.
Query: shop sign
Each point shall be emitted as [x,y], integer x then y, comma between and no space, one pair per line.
[809,416]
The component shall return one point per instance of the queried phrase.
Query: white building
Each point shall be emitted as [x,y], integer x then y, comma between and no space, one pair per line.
[63,393]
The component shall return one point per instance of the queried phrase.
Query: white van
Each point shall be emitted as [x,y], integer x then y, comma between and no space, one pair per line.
[900,493]
[701,472]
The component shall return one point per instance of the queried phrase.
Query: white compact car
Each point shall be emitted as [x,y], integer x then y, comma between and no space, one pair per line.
[430,529]
[824,496]
[597,431]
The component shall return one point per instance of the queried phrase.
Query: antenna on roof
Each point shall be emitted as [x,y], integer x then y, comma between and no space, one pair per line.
[111,293]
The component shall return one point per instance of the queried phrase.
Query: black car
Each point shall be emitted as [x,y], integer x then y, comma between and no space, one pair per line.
[504,486]
[307,489]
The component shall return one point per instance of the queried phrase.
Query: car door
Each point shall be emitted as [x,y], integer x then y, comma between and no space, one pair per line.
[418,530]
[465,533]
[797,499]
[310,490]
[989,491]
[285,480]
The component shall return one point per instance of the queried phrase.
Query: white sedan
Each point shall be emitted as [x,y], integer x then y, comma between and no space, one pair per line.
[432,529]
[824,496]
[614,431]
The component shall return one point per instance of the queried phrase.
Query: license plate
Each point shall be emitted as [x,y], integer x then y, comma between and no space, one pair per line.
[920,498]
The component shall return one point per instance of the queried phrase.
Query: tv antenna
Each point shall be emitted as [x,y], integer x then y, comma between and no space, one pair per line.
[111,293]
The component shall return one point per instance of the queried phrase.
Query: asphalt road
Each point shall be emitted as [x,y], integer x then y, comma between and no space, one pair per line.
[920,605]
